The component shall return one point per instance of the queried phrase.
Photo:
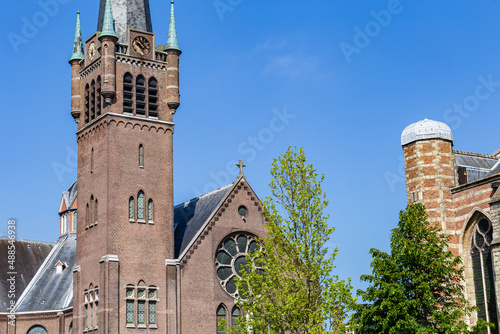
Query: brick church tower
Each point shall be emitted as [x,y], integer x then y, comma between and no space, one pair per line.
[124,95]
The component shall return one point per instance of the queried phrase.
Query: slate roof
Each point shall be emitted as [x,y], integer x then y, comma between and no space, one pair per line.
[29,257]
[69,196]
[50,290]
[190,216]
[467,159]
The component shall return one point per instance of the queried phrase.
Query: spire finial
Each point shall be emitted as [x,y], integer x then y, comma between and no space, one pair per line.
[241,165]
[78,44]
[172,31]
[108,26]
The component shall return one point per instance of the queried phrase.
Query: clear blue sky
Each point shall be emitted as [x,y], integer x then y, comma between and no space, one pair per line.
[348,96]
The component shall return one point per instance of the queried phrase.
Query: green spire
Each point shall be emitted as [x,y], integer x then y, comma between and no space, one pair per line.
[108,26]
[78,45]
[172,32]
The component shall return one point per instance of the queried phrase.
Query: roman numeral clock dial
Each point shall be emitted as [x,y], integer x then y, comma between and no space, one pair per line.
[141,45]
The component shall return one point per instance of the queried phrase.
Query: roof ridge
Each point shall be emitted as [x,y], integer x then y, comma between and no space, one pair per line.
[204,195]
[479,155]
[28,240]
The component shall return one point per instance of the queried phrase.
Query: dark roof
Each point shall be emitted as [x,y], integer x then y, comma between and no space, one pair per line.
[191,216]
[69,196]
[29,257]
[50,290]
[495,170]
[466,159]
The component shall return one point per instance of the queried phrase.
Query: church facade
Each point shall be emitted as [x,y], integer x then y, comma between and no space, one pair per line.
[460,191]
[129,260]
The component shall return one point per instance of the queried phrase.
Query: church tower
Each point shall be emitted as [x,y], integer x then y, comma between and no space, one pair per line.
[125,92]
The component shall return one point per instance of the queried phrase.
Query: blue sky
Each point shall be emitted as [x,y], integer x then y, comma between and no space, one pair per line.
[340,78]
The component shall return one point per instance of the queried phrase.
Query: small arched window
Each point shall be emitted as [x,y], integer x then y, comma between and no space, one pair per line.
[150,211]
[92,100]
[221,315]
[153,97]
[99,97]
[92,210]
[235,314]
[140,95]
[87,103]
[131,209]
[74,222]
[37,330]
[141,156]
[128,93]
[140,206]
[482,266]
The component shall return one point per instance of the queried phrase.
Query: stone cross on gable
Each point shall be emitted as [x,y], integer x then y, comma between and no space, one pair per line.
[241,165]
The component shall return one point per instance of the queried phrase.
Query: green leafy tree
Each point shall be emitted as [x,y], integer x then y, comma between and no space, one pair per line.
[417,288]
[288,286]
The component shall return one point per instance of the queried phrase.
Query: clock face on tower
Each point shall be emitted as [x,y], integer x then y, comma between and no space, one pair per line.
[92,51]
[141,45]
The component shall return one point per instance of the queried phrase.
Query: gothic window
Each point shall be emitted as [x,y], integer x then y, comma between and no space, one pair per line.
[141,306]
[99,97]
[141,156]
[37,330]
[87,214]
[87,103]
[221,315]
[74,221]
[131,209]
[90,303]
[140,96]
[482,266]
[92,100]
[230,260]
[153,97]
[128,94]
[150,211]
[235,314]
[95,211]
[92,210]
[140,206]
[92,161]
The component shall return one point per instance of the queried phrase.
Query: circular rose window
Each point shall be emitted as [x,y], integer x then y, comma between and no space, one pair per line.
[230,259]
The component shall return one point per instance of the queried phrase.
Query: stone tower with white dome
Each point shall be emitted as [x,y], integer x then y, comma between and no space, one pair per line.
[460,191]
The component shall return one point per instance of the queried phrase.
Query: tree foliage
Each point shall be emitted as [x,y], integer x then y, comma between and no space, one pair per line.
[417,288]
[288,286]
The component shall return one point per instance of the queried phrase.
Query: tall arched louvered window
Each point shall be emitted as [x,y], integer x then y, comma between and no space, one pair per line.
[128,93]
[153,97]
[87,103]
[141,155]
[140,95]
[221,315]
[37,330]
[482,266]
[131,208]
[99,97]
[92,100]
[140,206]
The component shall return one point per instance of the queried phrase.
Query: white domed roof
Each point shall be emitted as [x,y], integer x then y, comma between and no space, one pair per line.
[426,129]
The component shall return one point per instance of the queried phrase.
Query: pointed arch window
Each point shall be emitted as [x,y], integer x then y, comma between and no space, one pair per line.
[99,97]
[140,206]
[153,97]
[235,314]
[128,94]
[482,266]
[150,211]
[92,100]
[95,211]
[221,315]
[87,214]
[131,209]
[87,103]
[92,161]
[92,210]
[141,156]
[140,95]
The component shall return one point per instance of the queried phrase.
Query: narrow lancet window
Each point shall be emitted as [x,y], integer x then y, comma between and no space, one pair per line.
[131,208]
[150,211]
[92,101]
[87,103]
[141,156]
[140,206]
[221,315]
[99,97]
